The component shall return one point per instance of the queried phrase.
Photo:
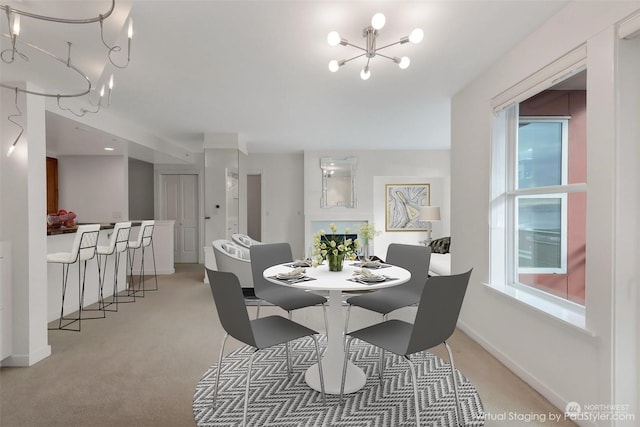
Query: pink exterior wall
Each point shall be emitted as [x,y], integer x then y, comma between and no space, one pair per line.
[574,104]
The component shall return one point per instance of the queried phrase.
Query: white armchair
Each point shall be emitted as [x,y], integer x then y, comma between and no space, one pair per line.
[233,258]
[244,240]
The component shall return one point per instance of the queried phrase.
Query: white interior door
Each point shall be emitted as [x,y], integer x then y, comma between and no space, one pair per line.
[180,195]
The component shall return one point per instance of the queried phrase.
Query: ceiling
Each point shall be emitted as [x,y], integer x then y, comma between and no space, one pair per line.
[259,69]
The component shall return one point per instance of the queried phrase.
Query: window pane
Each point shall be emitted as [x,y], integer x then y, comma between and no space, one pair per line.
[539,232]
[539,154]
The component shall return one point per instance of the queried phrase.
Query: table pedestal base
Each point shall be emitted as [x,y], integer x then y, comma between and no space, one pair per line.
[333,359]
[333,377]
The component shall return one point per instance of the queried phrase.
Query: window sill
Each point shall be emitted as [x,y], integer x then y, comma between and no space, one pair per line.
[567,313]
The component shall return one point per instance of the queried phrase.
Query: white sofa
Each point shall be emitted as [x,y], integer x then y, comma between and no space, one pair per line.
[233,258]
[440,265]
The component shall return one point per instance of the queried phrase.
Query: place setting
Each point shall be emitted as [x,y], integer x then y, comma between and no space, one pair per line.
[294,276]
[367,277]
[300,263]
[370,264]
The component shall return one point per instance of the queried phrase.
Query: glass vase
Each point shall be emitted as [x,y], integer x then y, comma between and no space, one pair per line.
[335,262]
[365,252]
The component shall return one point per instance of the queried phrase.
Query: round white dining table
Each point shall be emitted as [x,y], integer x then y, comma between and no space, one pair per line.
[336,282]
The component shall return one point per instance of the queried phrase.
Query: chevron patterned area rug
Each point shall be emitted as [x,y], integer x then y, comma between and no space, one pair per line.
[276,400]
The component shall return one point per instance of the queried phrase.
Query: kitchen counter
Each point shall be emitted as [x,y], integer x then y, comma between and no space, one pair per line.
[105,226]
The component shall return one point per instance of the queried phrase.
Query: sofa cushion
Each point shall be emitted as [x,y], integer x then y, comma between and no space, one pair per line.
[440,246]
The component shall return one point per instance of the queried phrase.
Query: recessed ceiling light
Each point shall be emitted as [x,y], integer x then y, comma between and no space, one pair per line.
[108,148]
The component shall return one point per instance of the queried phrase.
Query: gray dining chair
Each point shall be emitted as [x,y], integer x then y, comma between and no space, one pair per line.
[267,255]
[258,333]
[438,311]
[410,257]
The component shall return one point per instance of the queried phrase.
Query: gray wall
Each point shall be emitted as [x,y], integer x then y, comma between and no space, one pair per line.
[141,200]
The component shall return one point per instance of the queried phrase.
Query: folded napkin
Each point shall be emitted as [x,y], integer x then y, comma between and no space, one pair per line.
[367,274]
[296,272]
[302,263]
[370,263]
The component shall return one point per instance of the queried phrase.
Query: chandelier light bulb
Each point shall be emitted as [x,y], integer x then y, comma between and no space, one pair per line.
[130,32]
[13,147]
[378,21]
[416,35]
[111,82]
[102,91]
[333,38]
[333,66]
[16,25]
[404,63]
[365,73]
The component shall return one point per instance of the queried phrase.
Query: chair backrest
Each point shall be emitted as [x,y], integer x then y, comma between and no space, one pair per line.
[232,311]
[85,242]
[264,256]
[145,235]
[120,237]
[438,311]
[414,258]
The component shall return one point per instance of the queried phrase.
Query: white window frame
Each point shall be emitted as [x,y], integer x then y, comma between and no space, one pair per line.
[515,193]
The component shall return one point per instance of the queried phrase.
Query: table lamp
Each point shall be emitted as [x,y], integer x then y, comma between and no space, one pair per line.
[428,214]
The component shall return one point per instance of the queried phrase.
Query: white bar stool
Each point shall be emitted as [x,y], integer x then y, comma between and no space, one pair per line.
[118,243]
[145,239]
[82,250]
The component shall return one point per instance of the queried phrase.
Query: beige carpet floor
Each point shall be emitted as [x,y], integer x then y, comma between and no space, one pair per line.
[140,366]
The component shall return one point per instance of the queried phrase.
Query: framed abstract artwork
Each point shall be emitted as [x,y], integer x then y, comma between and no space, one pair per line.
[402,203]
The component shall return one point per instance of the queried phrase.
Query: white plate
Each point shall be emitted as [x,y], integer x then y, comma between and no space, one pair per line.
[284,276]
[372,279]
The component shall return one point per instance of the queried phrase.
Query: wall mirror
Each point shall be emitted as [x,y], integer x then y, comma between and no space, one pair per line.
[338,182]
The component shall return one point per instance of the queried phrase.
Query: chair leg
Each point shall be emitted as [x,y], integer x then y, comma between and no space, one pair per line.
[455,384]
[215,386]
[65,277]
[100,292]
[141,277]
[288,353]
[346,324]
[258,309]
[416,402]
[155,272]
[326,322]
[344,369]
[320,372]
[246,390]
[381,365]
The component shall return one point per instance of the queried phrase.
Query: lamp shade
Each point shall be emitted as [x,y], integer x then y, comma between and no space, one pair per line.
[429,213]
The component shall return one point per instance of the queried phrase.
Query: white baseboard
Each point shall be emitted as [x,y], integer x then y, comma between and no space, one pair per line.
[25,360]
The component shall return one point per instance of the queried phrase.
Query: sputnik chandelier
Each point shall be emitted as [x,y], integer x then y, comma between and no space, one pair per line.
[370,34]
[11,55]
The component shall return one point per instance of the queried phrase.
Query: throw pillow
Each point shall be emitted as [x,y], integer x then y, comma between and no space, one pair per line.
[440,246]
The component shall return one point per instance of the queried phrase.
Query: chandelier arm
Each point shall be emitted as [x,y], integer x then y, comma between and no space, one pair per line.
[355,57]
[389,45]
[12,117]
[66,62]
[385,56]
[353,45]
[114,48]
[62,20]
[82,112]
[117,49]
